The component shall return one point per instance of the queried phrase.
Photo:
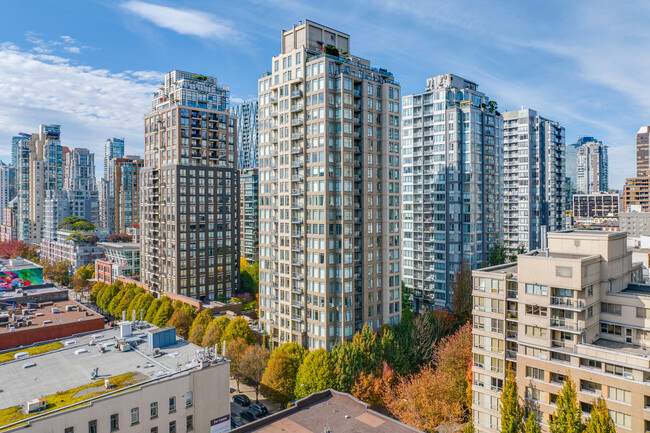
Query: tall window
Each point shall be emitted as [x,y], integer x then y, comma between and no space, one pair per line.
[135,415]
[153,410]
[172,427]
[188,399]
[172,404]
[115,422]
[189,423]
[92,426]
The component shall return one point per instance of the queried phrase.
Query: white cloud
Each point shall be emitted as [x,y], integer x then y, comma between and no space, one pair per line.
[65,42]
[91,104]
[184,21]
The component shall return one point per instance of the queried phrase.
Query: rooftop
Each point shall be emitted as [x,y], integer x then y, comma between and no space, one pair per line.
[40,315]
[71,366]
[328,410]
[120,245]
[624,348]
[17,264]
[32,291]
[507,268]
[637,289]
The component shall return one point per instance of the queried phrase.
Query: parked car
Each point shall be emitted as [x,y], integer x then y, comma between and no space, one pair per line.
[236,421]
[259,410]
[247,415]
[241,400]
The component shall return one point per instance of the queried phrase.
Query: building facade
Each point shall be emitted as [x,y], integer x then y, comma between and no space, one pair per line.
[534,179]
[329,191]
[643,151]
[249,226]
[636,192]
[40,169]
[597,205]
[121,259]
[190,190]
[451,196]
[113,148]
[592,168]
[9,227]
[79,170]
[7,179]
[576,309]
[126,177]
[635,222]
[247,141]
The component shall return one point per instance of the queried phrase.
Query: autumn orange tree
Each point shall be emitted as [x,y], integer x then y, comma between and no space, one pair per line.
[437,393]
[372,387]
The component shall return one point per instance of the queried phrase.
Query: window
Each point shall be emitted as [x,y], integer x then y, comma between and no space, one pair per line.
[641,312]
[610,308]
[535,373]
[189,423]
[172,404]
[536,310]
[618,370]
[115,422]
[92,426]
[563,271]
[592,387]
[68,430]
[533,393]
[590,363]
[536,289]
[535,331]
[153,410]
[172,427]
[619,394]
[135,415]
[620,419]
[188,399]
[154,430]
[610,329]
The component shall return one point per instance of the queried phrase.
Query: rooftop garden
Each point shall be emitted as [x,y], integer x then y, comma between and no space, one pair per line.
[70,397]
[36,350]
[76,224]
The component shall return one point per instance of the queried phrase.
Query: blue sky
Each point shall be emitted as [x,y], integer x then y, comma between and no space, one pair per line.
[91,66]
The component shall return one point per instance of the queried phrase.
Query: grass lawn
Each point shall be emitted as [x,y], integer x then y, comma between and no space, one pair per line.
[71,396]
[9,356]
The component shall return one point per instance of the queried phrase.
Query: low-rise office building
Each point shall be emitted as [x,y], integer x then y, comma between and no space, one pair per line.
[135,378]
[635,222]
[575,309]
[121,259]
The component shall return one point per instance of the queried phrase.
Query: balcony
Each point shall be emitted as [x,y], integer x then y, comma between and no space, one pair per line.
[296,149]
[567,303]
[296,94]
[296,136]
[296,122]
[295,108]
[567,325]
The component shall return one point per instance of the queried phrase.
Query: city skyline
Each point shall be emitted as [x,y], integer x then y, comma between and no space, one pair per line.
[552,68]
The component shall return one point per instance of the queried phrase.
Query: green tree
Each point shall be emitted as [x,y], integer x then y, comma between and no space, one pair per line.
[521,249]
[497,255]
[601,421]
[531,425]
[252,366]
[112,307]
[392,353]
[347,365]
[222,322]
[315,374]
[567,416]
[152,310]
[181,321]
[203,318]
[461,296]
[369,349]
[238,327]
[234,352]
[163,314]
[294,350]
[279,379]
[512,413]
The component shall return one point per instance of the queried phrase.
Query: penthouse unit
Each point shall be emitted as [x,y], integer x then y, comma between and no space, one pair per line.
[133,378]
[576,309]
[329,191]
[190,190]
[452,158]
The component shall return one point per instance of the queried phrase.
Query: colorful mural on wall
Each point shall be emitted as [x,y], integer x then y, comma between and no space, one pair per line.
[10,280]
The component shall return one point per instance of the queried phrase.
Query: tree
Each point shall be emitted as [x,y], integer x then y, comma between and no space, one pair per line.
[203,318]
[252,366]
[59,272]
[371,388]
[532,427]
[152,310]
[428,329]
[315,374]
[601,421]
[212,336]
[279,380]
[497,255]
[238,327]
[369,349]
[196,334]
[120,237]
[392,353]
[436,394]
[181,321]
[521,249]
[512,414]
[163,314]
[567,415]
[235,352]
[461,296]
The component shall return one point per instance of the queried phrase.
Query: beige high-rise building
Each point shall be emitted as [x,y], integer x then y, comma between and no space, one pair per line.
[190,190]
[329,191]
[643,151]
[576,309]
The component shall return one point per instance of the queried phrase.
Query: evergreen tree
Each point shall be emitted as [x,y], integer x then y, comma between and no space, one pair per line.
[512,414]
[567,415]
[461,295]
[392,353]
[531,424]
[150,314]
[600,421]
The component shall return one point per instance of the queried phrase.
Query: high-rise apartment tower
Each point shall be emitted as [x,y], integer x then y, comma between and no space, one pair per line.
[246,114]
[329,191]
